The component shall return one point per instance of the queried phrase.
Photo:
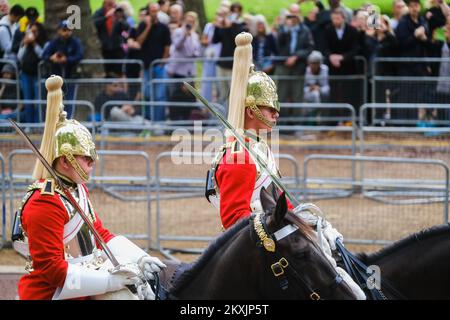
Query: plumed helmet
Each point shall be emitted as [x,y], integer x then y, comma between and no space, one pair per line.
[62,137]
[249,88]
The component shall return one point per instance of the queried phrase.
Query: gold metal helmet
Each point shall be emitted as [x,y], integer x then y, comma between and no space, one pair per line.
[62,137]
[72,138]
[261,91]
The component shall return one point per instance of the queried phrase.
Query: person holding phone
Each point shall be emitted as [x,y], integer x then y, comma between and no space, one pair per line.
[185,44]
[436,14]
[62,55]
[154,39]
[29,56]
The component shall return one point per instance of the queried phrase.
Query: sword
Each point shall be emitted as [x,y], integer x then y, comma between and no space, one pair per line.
[67,193]
[239,138]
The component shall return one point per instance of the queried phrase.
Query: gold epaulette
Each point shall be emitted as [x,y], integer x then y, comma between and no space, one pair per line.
[47,187]
[37,185]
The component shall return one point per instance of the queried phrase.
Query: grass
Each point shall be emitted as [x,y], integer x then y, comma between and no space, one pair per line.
[269,8]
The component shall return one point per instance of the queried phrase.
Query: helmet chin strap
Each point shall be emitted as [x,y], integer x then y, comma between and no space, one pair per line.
[74,163]
[260,116]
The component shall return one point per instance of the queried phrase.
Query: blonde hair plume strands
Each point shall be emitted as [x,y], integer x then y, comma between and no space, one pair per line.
[239,78]
[54,109]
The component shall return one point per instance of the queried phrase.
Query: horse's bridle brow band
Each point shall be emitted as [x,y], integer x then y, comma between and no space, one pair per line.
[267,241]
[285,231]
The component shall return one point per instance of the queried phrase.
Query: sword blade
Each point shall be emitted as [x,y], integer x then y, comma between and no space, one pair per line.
[255,157]
[67,193]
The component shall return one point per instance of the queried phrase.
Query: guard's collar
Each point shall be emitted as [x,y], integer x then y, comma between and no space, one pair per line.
[66,181]
[252,135]
[247,135]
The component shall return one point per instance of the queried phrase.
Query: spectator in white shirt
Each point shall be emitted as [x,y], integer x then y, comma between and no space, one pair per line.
[8,25]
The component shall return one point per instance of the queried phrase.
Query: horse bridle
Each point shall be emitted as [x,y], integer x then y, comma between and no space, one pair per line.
[268,241]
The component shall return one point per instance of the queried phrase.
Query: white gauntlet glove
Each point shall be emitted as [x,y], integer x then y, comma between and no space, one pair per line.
[304,212]
[145,292]
[322,226]
[123,247]
[331,234]
[149,265]
[121,278]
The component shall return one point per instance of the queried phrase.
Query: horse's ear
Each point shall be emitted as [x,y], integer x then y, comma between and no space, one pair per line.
[281,209]
[268,199]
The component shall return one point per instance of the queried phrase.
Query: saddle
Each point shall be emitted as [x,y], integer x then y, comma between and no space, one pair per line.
[167,278]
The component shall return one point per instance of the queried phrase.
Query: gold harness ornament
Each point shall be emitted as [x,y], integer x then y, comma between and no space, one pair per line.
[267,242]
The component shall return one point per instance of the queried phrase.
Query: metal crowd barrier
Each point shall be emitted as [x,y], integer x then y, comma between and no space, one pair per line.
[319,122]
[199,79]
[147,111]
[408,80]
[16,79]
[398,60]
[90,88]
[140,126]
[434,130]
[3,203]
[399,204]
[334,81]
[400,137]
[374,114]
[77,82]
[77,103]
[124,200]
[18,181]
[96,62]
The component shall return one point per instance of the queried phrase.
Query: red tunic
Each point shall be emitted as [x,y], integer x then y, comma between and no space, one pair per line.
[43,220]
[236,177]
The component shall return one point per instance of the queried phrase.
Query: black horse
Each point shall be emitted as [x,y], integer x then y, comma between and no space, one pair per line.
[254,261]
[416,267]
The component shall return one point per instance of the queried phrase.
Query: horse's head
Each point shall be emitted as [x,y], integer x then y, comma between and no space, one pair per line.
[298,268]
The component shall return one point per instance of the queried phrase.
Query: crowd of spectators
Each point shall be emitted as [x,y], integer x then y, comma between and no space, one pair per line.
[310,56]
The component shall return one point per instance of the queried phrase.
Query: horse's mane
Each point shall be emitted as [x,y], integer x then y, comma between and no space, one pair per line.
[210,251]
[422,235]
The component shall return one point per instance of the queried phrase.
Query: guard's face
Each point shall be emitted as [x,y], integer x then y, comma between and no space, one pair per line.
[86,163]
[271,115]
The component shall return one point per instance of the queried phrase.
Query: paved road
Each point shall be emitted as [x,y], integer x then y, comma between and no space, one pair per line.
[8,285]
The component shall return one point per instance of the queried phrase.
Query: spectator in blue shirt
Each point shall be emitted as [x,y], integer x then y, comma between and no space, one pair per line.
[63,55]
